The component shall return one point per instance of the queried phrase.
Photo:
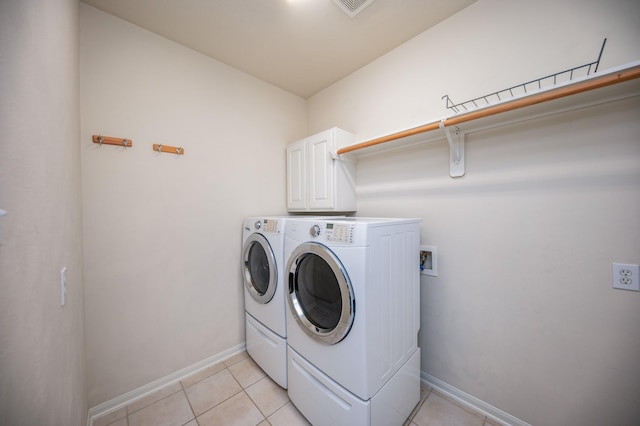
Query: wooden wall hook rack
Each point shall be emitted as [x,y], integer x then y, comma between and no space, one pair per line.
[168,148]
[109,140]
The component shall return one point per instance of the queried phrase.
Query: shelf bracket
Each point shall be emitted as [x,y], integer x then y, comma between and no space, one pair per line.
[456,150]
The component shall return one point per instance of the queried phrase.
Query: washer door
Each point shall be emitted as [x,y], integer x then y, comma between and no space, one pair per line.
[259,268]
[320,293]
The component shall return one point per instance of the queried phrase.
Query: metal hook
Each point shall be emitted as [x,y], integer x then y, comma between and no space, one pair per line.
[159,148]
[179,150]
[100,139]
[124,142]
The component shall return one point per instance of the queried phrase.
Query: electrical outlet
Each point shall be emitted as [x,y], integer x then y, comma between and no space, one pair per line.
[429,260]
[626,277]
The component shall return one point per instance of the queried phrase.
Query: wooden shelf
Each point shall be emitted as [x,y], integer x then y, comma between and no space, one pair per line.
[604,86]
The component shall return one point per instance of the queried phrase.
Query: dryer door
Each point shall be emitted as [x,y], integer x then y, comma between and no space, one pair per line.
[320,293]
[259,268]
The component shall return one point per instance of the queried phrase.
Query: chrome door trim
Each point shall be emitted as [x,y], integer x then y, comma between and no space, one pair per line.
[256,238]
[347,314]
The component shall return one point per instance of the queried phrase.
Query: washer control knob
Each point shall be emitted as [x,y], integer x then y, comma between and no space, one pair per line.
[258,225]
[315,230]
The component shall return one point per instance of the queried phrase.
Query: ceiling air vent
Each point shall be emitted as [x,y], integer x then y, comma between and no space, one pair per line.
[353,7]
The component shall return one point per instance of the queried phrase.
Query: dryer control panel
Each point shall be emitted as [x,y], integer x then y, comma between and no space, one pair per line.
[270,226]
[266,225]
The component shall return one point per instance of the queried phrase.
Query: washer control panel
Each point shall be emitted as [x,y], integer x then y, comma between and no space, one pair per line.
[331,232]
[340,232]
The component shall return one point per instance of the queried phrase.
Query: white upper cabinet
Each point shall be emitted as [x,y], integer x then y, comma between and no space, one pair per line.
[297,176]
[315,181]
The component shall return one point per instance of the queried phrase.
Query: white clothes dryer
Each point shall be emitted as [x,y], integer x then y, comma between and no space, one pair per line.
[264,294]
[353,315]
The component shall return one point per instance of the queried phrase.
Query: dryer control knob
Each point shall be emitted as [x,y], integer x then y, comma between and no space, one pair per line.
[258,225]
[315,230]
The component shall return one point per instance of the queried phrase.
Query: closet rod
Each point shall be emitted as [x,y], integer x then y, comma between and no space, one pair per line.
[560,92]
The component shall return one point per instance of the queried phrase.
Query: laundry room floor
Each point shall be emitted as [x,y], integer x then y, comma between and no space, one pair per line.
[238,392]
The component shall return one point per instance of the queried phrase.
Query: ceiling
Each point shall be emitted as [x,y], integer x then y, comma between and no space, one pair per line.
[301,46]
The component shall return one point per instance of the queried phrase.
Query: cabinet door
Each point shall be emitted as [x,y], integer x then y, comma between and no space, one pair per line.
[321,177]
[296,176]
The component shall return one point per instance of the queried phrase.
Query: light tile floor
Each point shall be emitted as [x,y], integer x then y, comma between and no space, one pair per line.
[237,392]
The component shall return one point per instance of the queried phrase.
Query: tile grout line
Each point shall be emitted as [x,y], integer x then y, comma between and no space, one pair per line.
[205,377]
[161,399]
[189,402]
[285,404]
[481,416]
[221,402]
[415,410]
[245,392]
[460,405]
[254,403]
[148,405]
[211,408]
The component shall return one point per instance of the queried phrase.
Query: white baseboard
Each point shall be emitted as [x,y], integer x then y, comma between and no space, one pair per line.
[472,402]
[131,396]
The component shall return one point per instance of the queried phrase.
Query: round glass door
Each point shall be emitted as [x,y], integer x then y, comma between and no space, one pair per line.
[259,268]
[320,293]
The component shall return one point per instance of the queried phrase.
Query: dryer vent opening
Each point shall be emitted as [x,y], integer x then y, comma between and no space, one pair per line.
[353,7]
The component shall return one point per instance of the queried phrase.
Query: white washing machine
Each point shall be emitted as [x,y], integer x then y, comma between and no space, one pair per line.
[264,294]
[353,315]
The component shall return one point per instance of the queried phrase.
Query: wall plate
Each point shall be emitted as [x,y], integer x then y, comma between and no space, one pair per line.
[626,276]
[429,260]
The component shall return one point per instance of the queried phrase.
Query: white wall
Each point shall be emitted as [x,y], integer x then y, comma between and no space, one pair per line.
[42,367]
[522,314]
[163,234]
